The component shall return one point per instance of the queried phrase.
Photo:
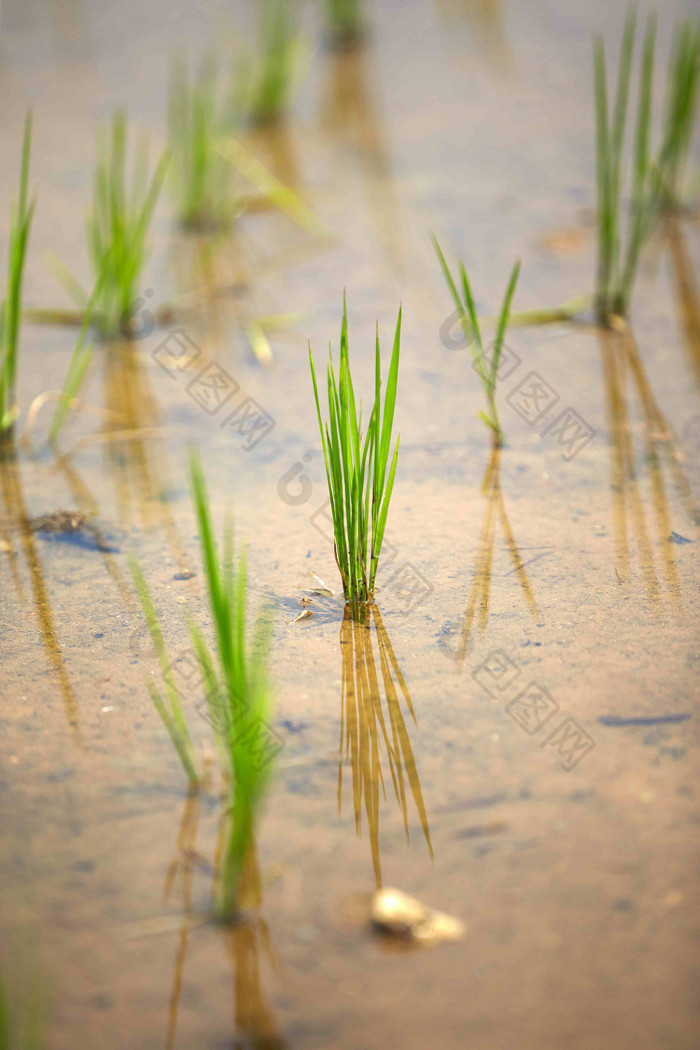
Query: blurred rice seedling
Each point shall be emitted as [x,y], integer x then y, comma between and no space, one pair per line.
[656,179]
[201,109]
[617,263]
[346,23]
[682,89]
[238,688]
[359,485]
[486,366]
[11,308]
[118,225]
[270,74]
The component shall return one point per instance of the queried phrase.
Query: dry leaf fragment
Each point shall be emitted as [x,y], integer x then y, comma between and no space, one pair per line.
[321,587]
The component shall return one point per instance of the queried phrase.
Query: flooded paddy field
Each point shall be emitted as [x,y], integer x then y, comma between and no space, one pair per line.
[509,732]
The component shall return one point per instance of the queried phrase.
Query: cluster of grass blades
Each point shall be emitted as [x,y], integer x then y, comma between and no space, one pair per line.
[118,225]
[682,91]
[359,473]
[486,365]
[617,262]
[241,690]
[209,163]
[201,109]
[11,308]
[271,73]
[236,686]
[346,22]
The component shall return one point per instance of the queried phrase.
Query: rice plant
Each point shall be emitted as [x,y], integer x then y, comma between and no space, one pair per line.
[117,227]
[237,682]
[618,250]
[271,73]
[346,22]
[200,110]
[360,476]
[11,308]
[682,90]
[80,359]
[486,364]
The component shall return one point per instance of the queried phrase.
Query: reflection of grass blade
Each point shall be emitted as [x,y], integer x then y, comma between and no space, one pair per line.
[368,731]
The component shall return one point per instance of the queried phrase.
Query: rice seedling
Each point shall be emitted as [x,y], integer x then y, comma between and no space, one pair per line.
[359,485]
[200,111]
[171,713]
[486,365]
[11,308]
[82,355]
[238,685]
[271,73]
[617,262]
[346,22]
[682,90]
[117,227]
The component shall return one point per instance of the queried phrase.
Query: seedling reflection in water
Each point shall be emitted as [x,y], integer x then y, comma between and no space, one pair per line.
[486,369]
[360,479]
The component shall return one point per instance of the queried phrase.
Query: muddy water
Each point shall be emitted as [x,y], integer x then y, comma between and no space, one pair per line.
[513,736]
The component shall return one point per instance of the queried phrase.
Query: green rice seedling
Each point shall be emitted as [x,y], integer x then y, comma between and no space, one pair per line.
[271,74]
[617,262]
[200,111]
[346,22]
[359,484]
[82,355]
[171,713]
[237,687]
[486,367]
[117,227]
[682,90]
[11,308]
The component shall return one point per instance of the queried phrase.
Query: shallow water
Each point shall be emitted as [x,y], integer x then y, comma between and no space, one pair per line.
[566,839]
